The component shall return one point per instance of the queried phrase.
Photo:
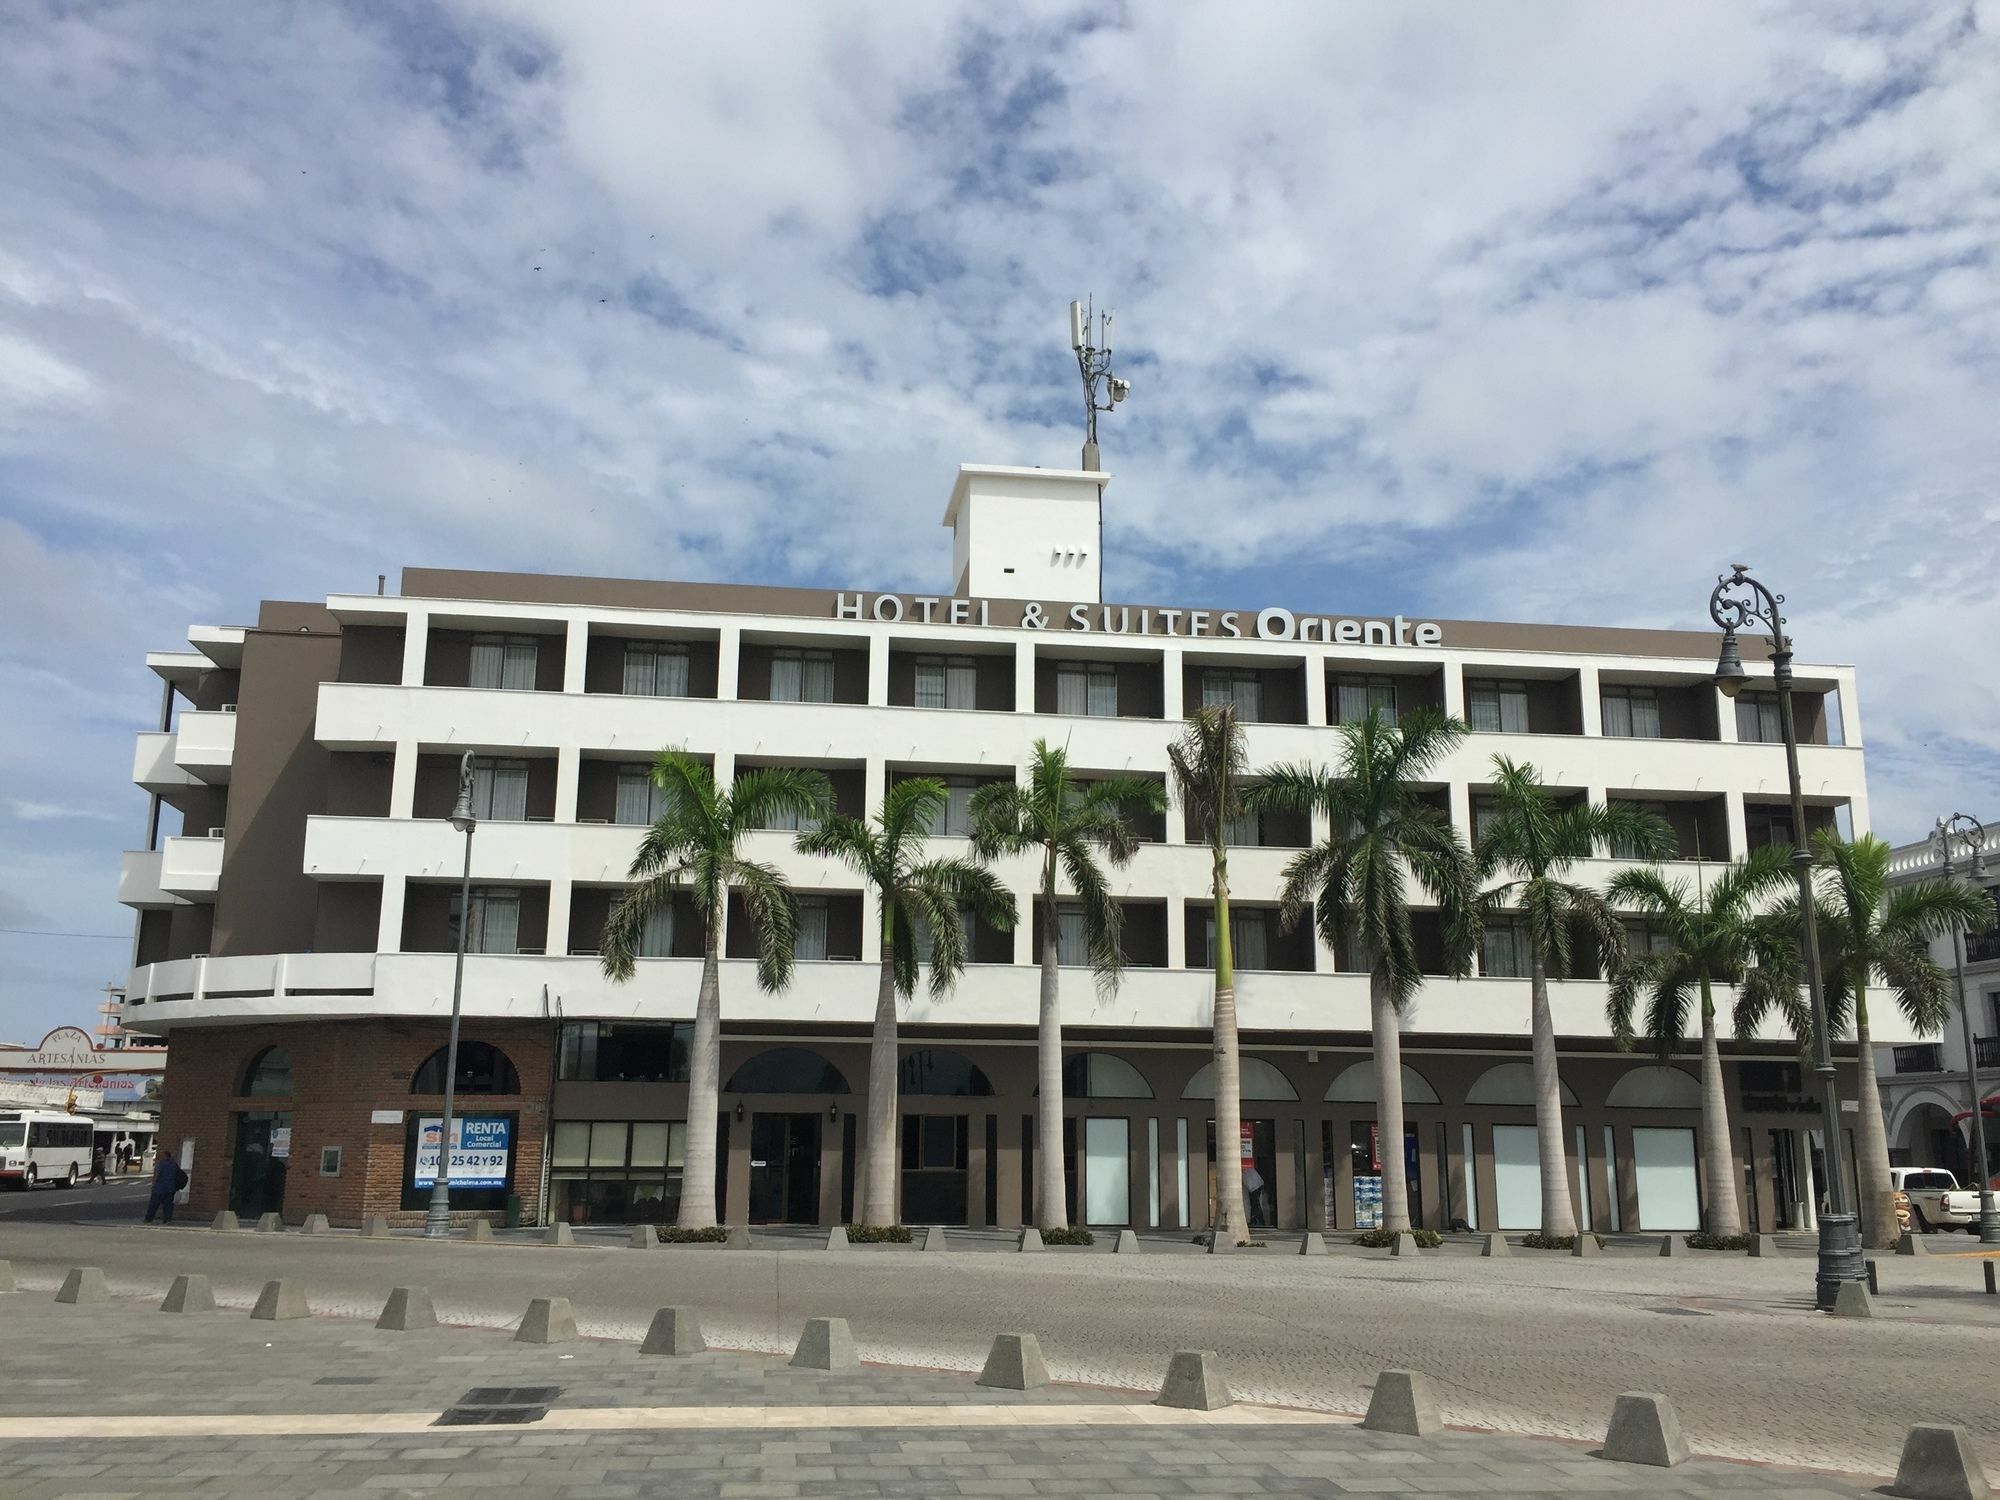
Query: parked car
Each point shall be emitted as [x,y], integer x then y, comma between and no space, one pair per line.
[1930,1198]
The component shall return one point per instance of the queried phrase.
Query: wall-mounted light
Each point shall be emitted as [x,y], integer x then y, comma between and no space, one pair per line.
[739,1111]
[833,1112]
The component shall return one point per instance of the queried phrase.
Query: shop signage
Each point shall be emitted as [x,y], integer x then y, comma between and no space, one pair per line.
[481,1146]
[281,1143]
[1272,624]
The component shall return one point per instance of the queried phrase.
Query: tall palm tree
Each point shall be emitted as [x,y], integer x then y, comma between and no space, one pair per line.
[1865,930]
[917,896]
[1533,844]
[1713,934]
[1066,822]
[1384,841]
[693,847]
[1208,763]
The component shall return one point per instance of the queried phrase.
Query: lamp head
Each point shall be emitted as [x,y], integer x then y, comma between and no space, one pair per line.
[1729,673]
[461,810]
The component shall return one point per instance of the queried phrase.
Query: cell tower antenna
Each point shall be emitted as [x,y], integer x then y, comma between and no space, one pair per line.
[1093,362]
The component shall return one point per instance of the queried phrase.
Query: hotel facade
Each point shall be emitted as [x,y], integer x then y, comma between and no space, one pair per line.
[295,937]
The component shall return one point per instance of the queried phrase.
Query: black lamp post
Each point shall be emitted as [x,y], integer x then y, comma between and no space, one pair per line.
[1967,832]
[437,1215]
[1741,602]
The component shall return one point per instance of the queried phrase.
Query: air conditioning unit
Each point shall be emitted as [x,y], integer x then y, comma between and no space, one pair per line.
[541,818]
[229,708]
[215,833]
[594,820]
[528,952]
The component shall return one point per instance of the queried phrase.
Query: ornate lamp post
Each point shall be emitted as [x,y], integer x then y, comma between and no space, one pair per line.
[437,1215]
[1741,602]
[1963,831]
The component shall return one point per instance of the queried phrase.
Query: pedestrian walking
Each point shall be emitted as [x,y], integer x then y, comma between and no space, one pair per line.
[97,1165]
[168,1179]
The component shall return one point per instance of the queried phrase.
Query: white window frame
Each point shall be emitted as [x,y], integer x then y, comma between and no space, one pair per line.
[801,675]
[656,669]
[499,789]
[1375,691]
[1090,688]
[1240,687]
[1630,711]
[1488,702]
[509,662]
[948,682]
[629,776]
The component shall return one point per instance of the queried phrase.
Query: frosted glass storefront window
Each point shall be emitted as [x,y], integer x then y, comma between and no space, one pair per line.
[1663,1178]
[1471,1177]
[1107,1146]
[1517,1178]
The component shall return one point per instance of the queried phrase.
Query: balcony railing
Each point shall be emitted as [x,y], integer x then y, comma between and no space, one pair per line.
[1920,1057]
[1986,1051]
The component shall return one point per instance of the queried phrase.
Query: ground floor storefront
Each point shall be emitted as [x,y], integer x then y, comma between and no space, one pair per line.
[585,1122]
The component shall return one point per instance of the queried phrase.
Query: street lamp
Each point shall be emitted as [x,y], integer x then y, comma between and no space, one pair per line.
[437,1217]
[1967,832]
[1740,602]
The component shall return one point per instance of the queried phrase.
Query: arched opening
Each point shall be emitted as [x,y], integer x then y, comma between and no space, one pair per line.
[482,1069]
[1655,1087]
[1355,1084]
[1100,1075]
[269,1074]
[787,1070]
[1512,1083]
[1261,1080]
[937,1073]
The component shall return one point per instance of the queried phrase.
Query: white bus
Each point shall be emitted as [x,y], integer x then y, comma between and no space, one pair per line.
[42,1145]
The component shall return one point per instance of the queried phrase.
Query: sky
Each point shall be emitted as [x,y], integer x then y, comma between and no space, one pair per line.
[1516,311]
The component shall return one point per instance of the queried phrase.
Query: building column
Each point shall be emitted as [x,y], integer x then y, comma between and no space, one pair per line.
[728,657]
[389,925]
[1739,826]
[1725,717]
[1808,1180]
[878,671]
[1461,810]
[403,780]
[555,943]
[1024,677]
[1454,689]
[416,647]
[1172,665]
[1177,956]
[576,654]
[1591,699]
[874,782]
[568,765]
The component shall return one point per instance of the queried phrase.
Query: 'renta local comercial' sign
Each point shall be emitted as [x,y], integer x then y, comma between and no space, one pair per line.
[1273,624]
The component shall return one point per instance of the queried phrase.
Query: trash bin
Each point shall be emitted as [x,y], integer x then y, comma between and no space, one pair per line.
[513,1210]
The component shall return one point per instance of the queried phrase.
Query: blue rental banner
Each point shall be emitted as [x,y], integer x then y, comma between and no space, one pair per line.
[480,1150]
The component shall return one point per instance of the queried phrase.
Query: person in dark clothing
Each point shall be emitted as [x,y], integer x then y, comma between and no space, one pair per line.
[168,1179]
[97,1166]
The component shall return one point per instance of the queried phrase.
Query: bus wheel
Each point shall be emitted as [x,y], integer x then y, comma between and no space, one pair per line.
[72,1174]
[31,1180]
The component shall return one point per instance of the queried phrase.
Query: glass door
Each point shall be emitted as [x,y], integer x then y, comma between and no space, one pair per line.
[258,1162]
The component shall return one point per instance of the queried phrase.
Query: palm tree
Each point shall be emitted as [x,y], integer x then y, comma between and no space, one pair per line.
[1208,763]
[1535,843]
[1384,840]
[917,896]
[1713,934]
[1066,822]
[692,847]
[1865,930]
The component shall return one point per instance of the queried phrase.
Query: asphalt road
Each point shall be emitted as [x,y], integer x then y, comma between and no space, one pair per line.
[119,1199]
[1535,1343]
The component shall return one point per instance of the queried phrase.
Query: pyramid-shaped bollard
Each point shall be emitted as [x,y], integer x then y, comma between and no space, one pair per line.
[1014,1363]
[559,1234]
[738,1237]
[270,1223]
[674,1331]
[189,1294]
[1853,1301]
[1405,1243]
[825,1344]
[82,1286]
[1764,1246]
[374,1227]
[316,1224]
[644,1237]
[408,1308]
[1672,1244]
[836,1237]
[1912,1244]
[1221,1242]
[280,1301]
[1645,1430]
[1403,1402]
[1194,1382]
[1127,1243]
[1031,1239]
[549,1320]
[1938,1464]
[1586,1246]
[479,1232]
[1312,1242]
[934,1238]
[1496,1245]
[225,1223]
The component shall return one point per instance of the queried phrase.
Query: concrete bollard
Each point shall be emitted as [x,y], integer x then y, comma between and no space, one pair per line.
[1992,1282]
[1912,1244]
[1763,1246]
[316,1224]
[644,1237]
[1853,1301]
[374,1227]
[479,1232]
[1194,1382]
[83,1285]
[674,1331]
[1645,1430]
[1312,1242]
[559,1234]
[1220,1242]
[408,1307]
[280,1301]
[225,1223]
[1127,1243]
[836,1237]
[1405,1243]
[270,1224]
[739,1237]
[1938,1464]
[1014,1363]
[1031,1239]
[549,1320]
[1672,1244]
[825,1344]
[1586,1246]
[1403,1402]
[1496,1245]
[189,1294]
[934,1238]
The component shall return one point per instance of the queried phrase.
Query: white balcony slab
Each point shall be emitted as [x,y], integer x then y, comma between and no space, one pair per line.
[205,745]
[139,881]
[191,867]
[154,768]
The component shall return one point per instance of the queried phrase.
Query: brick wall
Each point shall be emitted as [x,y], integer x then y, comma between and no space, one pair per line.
[342,1072]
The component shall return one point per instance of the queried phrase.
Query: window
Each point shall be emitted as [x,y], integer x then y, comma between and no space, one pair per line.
[639,799]
[504,661]
[1240,687]
[496,921]
[609,1172]
[624,1052]
[947,682]
[1497,707]
[1484,811]
[937,1073]
[656,669]
[1102,1075]
[1248,944]
[921,932]
[1354,698]
[802,677]
[1642,937]
[1919,1057]
[810,942]
[1246,830]
[270,1072]
[656,934]
[1072,948]
[1632,712]
[1089,688]
[954,819]
[1625,848]
[329,1161]
[787,1070]
[1757,719]
[499,789]
[1929,1182]
[482,1069]
[1503,951]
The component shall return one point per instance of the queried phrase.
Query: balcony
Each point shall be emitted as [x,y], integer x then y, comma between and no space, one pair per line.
[191,867]
[154,768]
[1919,1057]
[139,881]
[1986,1051]
[205,745]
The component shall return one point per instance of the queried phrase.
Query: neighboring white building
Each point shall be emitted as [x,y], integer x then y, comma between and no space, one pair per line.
[295,936]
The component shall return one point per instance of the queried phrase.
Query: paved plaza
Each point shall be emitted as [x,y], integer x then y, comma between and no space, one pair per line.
[1532,1348]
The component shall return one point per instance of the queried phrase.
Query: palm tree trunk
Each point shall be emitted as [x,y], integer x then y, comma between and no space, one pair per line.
[698,1206]
[878,1178]
[1558,1208]
[1228,1164]
[1722,1213]
[1879,1227]
[1388,1027]
[1051,1209]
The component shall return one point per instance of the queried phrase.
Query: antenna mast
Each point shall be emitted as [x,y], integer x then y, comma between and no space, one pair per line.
[1093,362]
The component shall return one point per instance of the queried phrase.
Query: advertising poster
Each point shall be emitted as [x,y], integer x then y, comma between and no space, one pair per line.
[480,1148]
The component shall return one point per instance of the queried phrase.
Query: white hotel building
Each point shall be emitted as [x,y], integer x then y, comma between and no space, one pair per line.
[295,936]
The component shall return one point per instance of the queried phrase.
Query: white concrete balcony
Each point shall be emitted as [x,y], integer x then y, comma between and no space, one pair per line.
[139,881]
[154,768]
[205,745]
[191,867]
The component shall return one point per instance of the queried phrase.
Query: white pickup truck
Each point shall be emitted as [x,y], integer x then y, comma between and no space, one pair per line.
[1935,1199]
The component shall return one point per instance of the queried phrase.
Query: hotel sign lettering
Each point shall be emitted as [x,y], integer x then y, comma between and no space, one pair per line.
[1272,624]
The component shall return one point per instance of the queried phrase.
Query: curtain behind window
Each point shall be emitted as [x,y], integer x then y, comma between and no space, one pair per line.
[656,938]
[638,798]
[499,790]
[811,943]
[1072,950]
